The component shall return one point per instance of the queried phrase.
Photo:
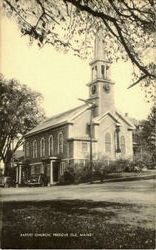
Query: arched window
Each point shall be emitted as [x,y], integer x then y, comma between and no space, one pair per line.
[107,143]
[51,145]
[42,147]
[103,71]
[60,142]
[123,146]
[27,154]
[34,149]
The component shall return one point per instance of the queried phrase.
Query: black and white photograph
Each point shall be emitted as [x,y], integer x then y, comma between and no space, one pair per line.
[77,124]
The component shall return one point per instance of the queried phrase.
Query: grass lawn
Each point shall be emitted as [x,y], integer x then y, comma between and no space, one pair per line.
[77,224]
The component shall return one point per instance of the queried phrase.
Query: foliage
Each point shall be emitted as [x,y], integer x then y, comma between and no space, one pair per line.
[67,178]
[148,133]
[146,138]
[82,172]
[102,167]
[76,173]
[128,27]
[144,159]
[20,111]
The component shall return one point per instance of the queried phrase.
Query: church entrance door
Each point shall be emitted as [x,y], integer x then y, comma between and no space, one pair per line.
[56,171]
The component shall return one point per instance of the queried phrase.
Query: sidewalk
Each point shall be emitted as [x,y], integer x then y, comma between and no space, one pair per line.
[131,178]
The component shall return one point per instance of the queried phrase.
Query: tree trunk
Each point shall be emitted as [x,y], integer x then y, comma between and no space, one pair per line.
[7,163]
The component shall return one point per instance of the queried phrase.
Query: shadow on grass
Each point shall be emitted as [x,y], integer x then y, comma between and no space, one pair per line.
[68,224]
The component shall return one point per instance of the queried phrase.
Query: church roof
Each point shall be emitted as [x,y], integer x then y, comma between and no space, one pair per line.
[68,116]
[58,119]
[126,119]
[115,116]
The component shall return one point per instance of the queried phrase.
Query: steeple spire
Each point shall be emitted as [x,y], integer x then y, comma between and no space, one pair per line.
[101,87]
[99,51]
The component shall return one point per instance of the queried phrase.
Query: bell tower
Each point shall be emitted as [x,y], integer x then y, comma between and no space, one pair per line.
[101,87]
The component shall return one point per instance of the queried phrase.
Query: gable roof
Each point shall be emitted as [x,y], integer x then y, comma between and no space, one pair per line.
[68,117]
[125,119]
[111,114]
[115,116]
[58,119]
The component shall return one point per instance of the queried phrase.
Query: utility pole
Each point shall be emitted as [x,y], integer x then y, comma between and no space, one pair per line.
[91,108]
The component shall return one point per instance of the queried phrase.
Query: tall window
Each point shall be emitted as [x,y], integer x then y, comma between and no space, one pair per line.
[27,149]
[103,71]
[71,149]
[51,145]
[42,147]
[95,72]
[107,143]
[107,72]
[123,146]
[34,149]
[62,168]
[84,147]
[60,143]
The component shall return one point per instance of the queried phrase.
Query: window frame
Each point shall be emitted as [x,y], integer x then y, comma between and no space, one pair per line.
[62,144]
[42,147]
[86,149]
[27,149]
[108,143]
[121,144]
[51,145]
[35,151]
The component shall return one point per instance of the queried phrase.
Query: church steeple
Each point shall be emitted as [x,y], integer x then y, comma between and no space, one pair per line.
[101,65]
[99,46]
[101,87]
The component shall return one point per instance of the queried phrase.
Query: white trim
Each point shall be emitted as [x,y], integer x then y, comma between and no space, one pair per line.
[35,163]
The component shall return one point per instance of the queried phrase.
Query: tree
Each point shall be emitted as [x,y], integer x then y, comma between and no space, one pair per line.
[148,134]
[20,111]
[128,26]
[144,138]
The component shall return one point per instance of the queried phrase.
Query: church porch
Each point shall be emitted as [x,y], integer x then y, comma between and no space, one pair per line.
[51,169]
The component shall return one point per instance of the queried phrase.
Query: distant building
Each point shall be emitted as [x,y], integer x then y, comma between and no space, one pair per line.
[64,139]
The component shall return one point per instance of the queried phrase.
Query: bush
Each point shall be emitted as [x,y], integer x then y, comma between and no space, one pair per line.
[82,172]
[145,158]
[102,167]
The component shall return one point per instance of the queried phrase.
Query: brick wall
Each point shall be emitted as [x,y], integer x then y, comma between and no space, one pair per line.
[45,134]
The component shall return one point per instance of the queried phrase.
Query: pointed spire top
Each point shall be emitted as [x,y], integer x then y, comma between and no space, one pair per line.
[99,52]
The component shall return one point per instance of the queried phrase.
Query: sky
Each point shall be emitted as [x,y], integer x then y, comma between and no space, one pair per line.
[62,78]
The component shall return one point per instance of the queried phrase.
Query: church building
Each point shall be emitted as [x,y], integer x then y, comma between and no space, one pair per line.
[66,138]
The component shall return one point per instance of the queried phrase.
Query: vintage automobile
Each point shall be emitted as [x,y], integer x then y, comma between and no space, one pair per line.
[36,180]
[6,181]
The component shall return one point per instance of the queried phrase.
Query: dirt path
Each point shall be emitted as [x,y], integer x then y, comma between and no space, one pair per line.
[139,192]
